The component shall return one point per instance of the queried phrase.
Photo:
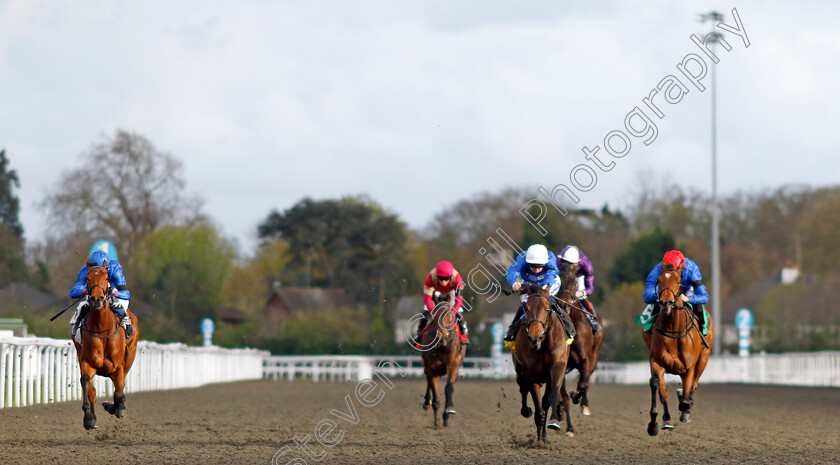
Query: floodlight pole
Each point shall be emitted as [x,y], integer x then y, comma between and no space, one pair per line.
[715,18]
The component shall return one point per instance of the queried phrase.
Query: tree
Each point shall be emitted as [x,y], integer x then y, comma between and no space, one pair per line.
[9,202]
[350,243]
[123,189]
[12,263]
[180,270]
[634,262]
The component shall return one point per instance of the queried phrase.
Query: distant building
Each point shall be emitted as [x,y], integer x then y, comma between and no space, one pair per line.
[287,301]
[232,316]
[407,307]
[20,299]
[10,327]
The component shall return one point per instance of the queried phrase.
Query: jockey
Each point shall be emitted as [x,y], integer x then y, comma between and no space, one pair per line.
[444,278]
[582,267]
[691,283]
[537,265]
[103,252]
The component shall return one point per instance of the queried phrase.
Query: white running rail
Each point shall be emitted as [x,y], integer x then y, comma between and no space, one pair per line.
[38,370]
[793,369]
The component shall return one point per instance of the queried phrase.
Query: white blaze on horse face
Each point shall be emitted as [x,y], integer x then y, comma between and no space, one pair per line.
[667,275]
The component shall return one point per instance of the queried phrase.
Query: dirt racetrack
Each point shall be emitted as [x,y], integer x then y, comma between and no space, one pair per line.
[248,422]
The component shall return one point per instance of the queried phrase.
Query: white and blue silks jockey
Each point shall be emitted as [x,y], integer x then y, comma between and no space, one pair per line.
[101,253]
[691,283]
[537,265]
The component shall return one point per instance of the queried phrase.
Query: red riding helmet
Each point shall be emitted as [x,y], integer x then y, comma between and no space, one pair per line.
[674,258]
[444,268]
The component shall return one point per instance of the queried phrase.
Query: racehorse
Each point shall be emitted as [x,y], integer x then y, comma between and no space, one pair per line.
[677,347]
[104,350]
[443,354]
[540,356]
[586,347]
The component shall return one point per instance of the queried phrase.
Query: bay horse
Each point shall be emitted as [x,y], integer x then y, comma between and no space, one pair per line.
[586,347]
[540,356]
[104,350]
[677,347]
[443,354]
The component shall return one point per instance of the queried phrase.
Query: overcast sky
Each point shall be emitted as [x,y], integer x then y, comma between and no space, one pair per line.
[418,104]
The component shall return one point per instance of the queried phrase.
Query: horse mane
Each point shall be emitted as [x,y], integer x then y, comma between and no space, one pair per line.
[531,288]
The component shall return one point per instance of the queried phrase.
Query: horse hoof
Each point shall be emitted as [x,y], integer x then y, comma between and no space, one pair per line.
[570,434]
[121,413]
[575,400]
[684,406]
[685,417]
[667,425]
[553,424]
[450,411]
[526,412]
[653,429]
[586,411]
[109,407]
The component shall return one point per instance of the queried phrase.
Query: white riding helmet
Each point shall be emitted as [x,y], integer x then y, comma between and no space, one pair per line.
[537,254]
[572,255]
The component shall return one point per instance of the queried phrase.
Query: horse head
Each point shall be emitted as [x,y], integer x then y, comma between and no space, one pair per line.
[98,286]
[537,313]
[568,286]
[669,289]
[442,314]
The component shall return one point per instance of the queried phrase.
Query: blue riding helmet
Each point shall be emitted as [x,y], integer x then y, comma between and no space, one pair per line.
[99,257]
[106,247]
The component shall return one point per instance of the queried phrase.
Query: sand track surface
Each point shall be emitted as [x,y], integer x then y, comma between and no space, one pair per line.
[249,422]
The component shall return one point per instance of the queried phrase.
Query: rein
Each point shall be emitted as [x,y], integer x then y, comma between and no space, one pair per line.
[681,333]
[545,324]
[106,292]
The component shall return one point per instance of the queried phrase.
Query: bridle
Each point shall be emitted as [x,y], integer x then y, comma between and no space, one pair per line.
[107,293]
[678,334]
[545,324]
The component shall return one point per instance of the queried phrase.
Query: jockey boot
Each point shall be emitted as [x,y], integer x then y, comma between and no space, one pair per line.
[125,321]
[653,314]
[590,315]
[462,325]
[78,318]
[511,331]
[422,324]
[700,314]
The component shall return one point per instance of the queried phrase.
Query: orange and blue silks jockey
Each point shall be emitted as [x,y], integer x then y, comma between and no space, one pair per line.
[692,288]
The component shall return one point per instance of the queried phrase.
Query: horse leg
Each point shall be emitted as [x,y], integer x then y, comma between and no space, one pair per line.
[427,404]
[585,372]
[564,398]
[449,406]
[552,393]
[525,411]
[118,407]
[664,396]
[88,395]
[657,375]
[686,399]
[539,414]
[435,403]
